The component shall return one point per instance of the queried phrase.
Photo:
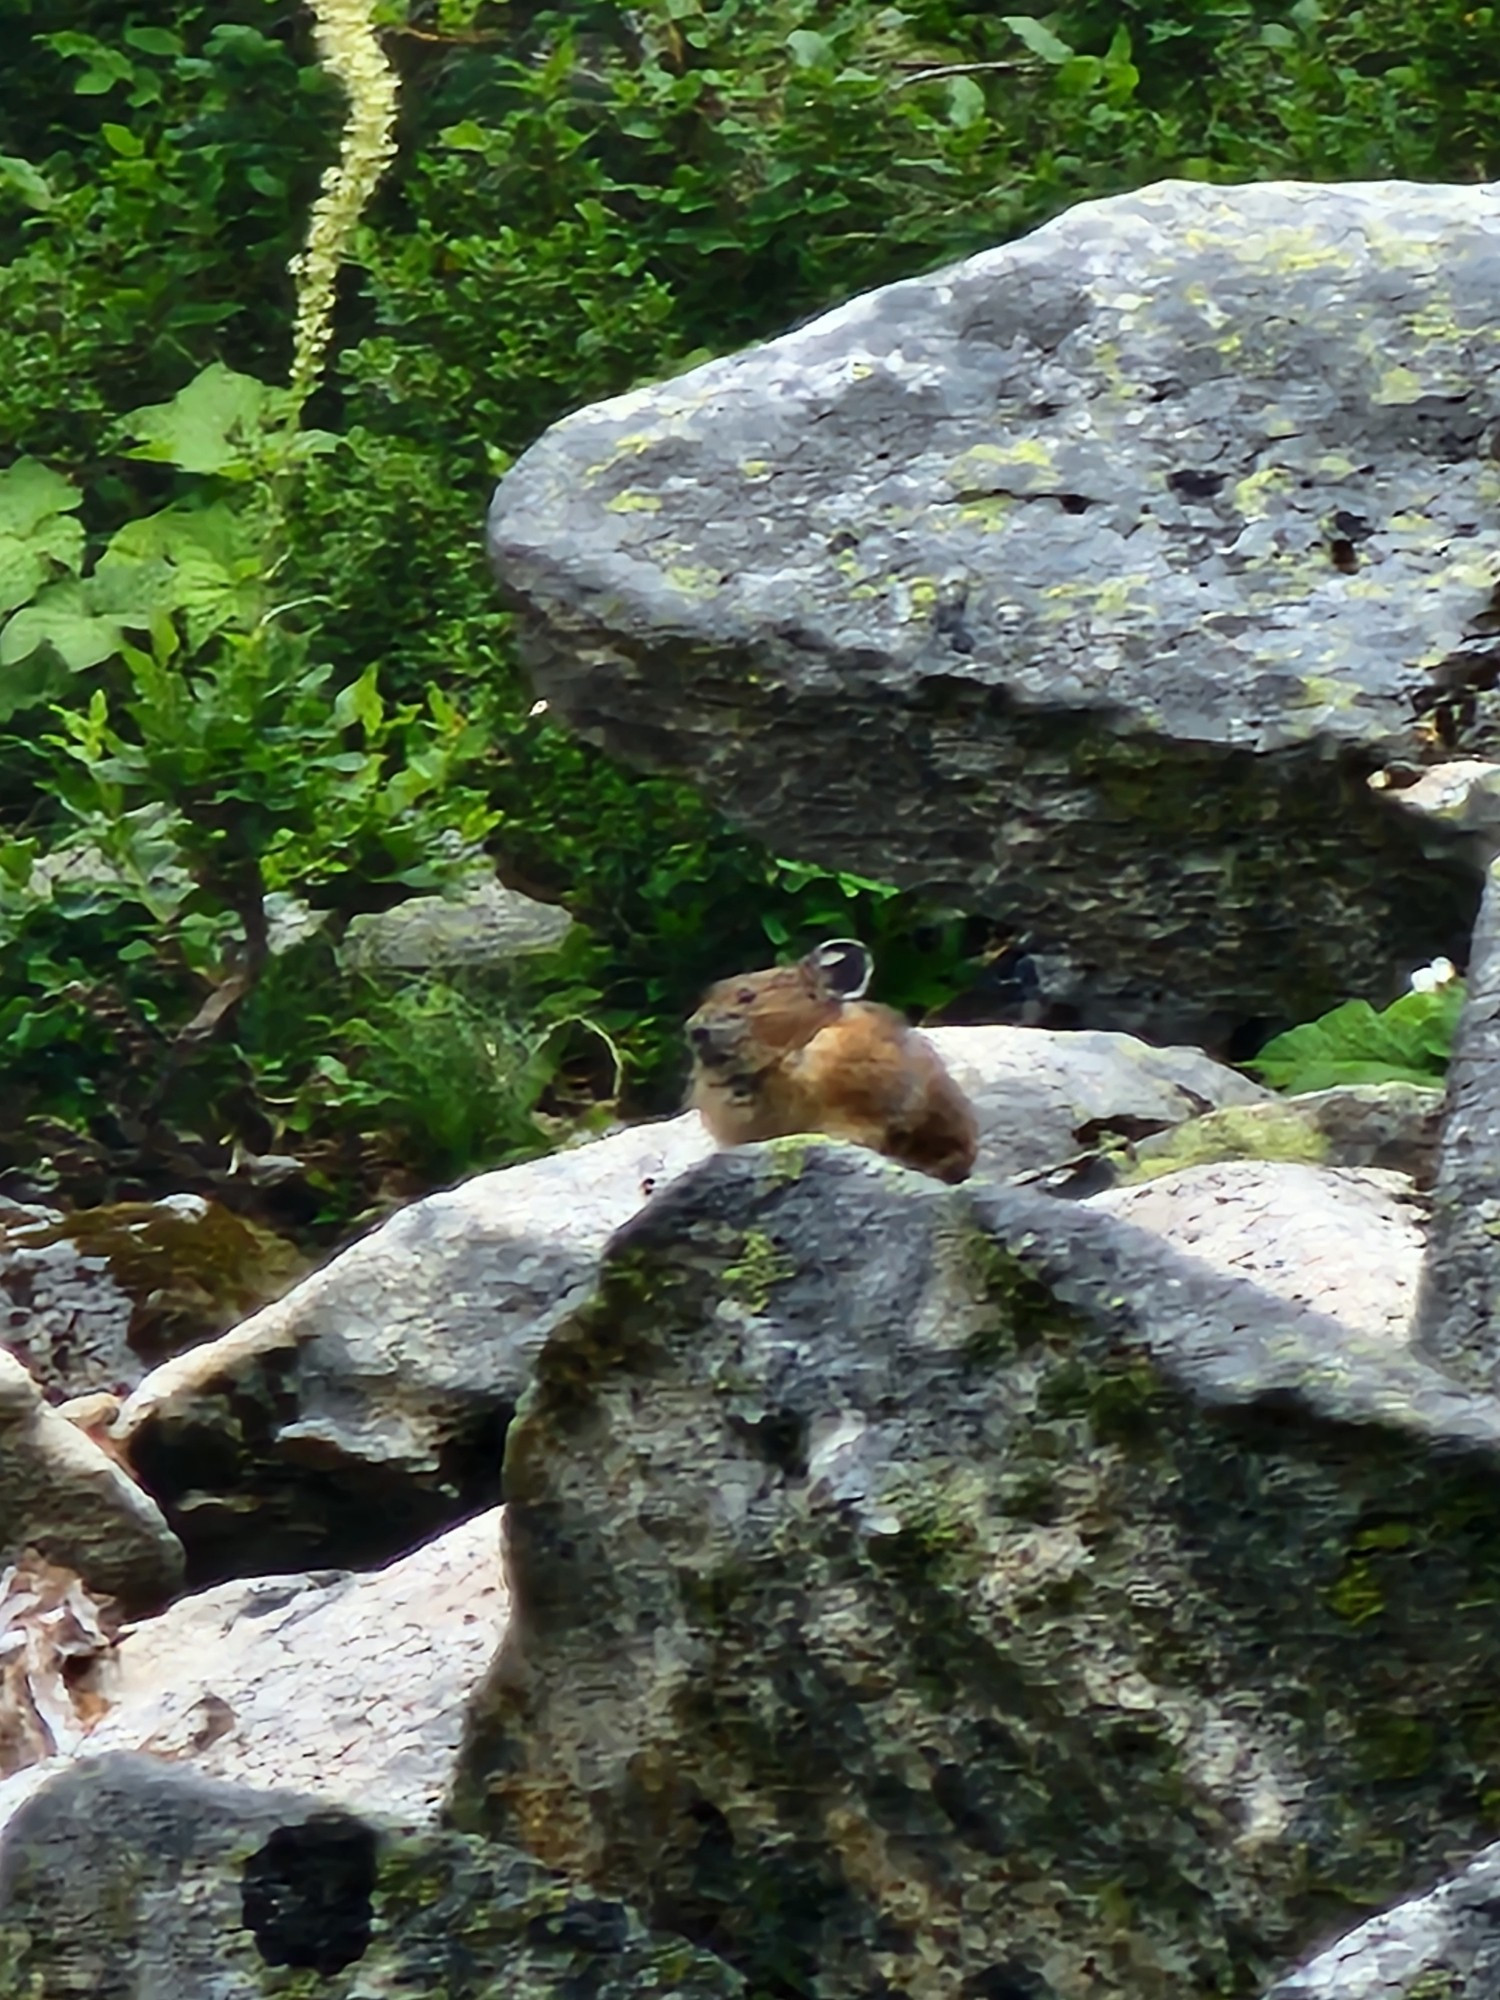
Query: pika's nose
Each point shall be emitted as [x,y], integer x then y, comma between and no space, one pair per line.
[700,1034]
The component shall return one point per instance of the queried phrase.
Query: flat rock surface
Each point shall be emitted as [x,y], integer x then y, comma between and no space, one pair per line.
[1340,1241]
[348,1687]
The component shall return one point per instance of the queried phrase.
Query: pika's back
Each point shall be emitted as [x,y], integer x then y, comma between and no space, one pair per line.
[796,1049]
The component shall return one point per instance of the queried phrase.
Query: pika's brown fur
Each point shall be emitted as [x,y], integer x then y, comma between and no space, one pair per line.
[796,1049]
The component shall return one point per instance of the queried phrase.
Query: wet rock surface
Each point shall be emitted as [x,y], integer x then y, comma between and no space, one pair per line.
[367,1410]
[94,1299]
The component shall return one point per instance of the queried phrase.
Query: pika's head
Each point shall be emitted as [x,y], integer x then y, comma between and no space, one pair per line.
[748,1023]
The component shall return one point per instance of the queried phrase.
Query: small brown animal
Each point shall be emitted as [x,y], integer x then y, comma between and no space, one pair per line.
[798,1049]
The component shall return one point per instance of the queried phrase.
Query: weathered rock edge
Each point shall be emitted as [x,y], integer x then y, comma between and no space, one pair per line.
[952,1586]
[1103,567]
[1436,1947]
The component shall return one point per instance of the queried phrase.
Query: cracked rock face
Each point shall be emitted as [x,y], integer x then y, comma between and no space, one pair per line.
[1101,570]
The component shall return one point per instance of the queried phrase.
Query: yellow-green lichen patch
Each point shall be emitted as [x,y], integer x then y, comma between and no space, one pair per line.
[992,511]
[631,446]
[1253,494]
[760,1265]
[1237,1132]
[1399,385]
[632,501]
[1024,465]
[789,1155]
[1322,692]
[692,579]
[1290,250]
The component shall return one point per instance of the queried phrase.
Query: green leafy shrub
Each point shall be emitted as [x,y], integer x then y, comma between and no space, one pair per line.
[1408,1042]
[243,660]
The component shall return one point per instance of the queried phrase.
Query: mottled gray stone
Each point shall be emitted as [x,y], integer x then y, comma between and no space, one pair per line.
[954,1590]
[61,1495]
[1459,1305]
[1390,1126]
[1101,568]
[128,1878]
[486,925]
[1040,1096]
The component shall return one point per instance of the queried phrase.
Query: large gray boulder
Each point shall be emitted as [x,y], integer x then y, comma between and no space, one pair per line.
[1101,569]
[957,1591]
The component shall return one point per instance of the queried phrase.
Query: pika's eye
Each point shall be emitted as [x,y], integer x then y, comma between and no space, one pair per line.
[745,996]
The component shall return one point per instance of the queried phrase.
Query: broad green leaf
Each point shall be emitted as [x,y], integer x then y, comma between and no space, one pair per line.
[1041,41]
[1409,1041]
[809,50]
[23,571]
[466,137]
[220,419]
[360,702]
[154,41]
[60,620]
[965,102]
[30,492]
[30,682]
[120,139]
[25,180]
[60,538]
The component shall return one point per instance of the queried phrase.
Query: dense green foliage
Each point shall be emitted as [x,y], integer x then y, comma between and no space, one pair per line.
[252,651]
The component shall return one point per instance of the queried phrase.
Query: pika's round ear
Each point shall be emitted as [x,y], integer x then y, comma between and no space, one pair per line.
[845,965]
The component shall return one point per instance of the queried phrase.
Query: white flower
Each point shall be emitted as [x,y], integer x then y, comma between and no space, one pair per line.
[1428,978]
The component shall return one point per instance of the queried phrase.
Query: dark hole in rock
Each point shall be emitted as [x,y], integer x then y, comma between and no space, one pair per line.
[305,1896]
[1192,484]
[1076,503]
[1003,1982]
[780,1438]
